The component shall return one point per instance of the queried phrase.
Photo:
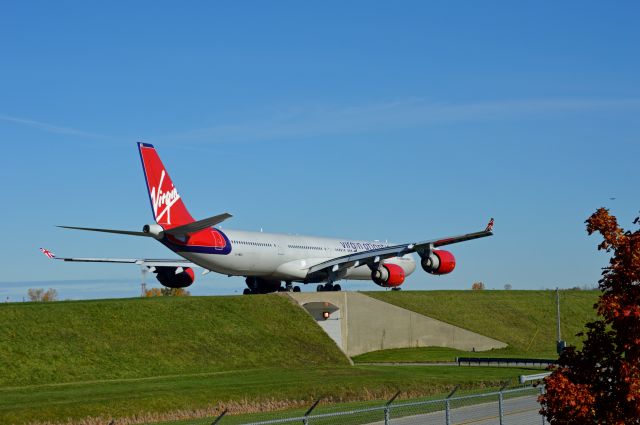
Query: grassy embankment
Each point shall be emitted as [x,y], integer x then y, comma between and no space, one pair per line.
[257,390]
[525,320]
[135,338]
[171,356]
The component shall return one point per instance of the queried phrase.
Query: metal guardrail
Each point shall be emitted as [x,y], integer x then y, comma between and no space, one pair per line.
[503,361]
[518,405]
[535,377]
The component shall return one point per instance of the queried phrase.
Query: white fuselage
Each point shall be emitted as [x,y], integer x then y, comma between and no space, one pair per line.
[277,256]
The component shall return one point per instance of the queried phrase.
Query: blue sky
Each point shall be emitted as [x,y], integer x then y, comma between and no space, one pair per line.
[397,120]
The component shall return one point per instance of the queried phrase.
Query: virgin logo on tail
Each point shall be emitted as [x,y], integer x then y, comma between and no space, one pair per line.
[163,200]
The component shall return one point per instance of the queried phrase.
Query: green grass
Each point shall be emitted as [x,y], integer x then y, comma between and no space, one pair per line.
[60,342]
[525,320]
[119,358]
[331,408]
[124,398]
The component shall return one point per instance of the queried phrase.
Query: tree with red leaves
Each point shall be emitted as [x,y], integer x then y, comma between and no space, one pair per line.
[601,382]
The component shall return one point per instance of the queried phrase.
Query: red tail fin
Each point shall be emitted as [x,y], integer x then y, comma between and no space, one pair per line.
[167,206]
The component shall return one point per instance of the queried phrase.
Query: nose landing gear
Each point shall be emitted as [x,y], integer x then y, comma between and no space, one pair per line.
[288,287]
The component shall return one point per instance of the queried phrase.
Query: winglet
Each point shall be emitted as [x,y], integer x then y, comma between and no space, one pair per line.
[489,226]
[48,253]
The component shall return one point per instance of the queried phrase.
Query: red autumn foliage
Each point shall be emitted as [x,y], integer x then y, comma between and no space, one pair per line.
[601,382]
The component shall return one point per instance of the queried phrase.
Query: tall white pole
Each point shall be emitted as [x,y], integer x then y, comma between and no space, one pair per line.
[558,312]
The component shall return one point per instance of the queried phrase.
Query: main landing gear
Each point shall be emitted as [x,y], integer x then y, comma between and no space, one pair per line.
[263,286]
[248,291]
[328,287]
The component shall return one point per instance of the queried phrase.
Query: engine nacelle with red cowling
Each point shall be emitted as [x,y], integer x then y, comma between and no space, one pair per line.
[388,275]
[175,277]
[438,262]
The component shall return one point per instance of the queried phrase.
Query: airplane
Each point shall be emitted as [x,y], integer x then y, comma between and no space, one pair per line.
[266,260]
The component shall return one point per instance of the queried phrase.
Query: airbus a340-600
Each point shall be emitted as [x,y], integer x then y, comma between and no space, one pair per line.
[267,260]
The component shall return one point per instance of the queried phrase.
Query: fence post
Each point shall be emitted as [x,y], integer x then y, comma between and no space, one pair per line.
[500,402]
[305,419]
[447,409]
[219,418]
[387,409]
[447,405]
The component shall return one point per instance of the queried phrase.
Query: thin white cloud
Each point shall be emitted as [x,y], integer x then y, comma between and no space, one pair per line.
[51,128]
[319,120]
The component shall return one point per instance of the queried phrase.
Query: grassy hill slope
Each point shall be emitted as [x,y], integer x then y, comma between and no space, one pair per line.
[254,390]
[526,320]
[59,342]
[120,358]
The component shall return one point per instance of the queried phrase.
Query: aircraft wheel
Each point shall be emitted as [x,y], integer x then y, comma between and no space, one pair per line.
[320,288]
[246,291]
[296,289]
[337,287]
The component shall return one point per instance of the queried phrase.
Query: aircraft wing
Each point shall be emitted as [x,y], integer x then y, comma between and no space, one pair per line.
[148,262]
[373,256]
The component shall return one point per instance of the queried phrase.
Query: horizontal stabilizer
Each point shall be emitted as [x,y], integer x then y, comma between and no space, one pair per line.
[120,232]
[177,231]
[196,226]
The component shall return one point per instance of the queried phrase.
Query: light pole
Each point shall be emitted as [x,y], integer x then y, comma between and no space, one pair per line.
[560,344]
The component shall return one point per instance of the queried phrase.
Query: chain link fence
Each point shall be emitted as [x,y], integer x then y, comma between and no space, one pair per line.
[505,407]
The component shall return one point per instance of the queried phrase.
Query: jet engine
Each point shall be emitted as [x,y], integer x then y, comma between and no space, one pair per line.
[438,262]
[154,230]
[388,275]
[174,277]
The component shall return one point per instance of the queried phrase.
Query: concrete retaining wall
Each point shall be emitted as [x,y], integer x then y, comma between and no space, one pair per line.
[364,324]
